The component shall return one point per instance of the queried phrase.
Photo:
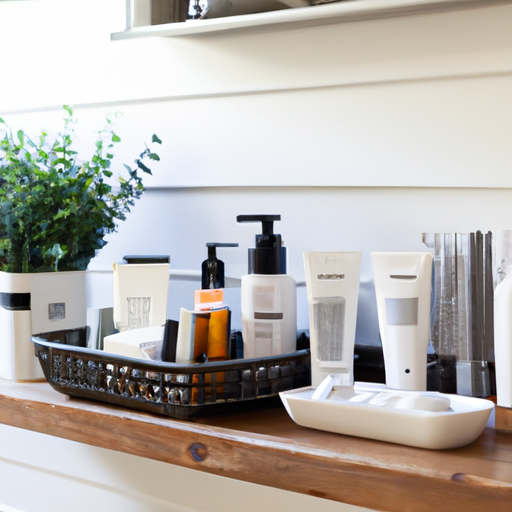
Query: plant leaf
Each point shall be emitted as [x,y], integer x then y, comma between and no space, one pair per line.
[143,167]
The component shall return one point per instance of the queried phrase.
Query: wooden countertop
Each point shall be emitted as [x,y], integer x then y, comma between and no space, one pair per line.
[268,448]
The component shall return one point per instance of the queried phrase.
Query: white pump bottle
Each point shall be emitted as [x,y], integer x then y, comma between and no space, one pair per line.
[269,301]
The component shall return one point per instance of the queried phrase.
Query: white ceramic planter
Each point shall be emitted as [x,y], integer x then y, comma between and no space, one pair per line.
[34,304]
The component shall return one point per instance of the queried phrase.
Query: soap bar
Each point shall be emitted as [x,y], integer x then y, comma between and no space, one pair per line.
[128,343]
[393,400]
[424,403]
[415,402]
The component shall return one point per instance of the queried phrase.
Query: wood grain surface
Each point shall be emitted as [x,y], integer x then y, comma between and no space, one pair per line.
[503,418]
[267,448]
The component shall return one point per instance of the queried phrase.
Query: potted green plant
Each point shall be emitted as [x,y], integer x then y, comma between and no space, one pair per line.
[55,211]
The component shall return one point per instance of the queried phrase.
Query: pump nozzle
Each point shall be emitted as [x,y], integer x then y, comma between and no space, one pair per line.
[269,256]
[267,221]
[212,275]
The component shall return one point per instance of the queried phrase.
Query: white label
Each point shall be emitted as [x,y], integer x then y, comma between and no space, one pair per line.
[263,334]
[57,311]
[264,298]
[329,324]
[402,311]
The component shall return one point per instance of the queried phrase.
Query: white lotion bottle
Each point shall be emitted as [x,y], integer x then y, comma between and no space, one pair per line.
[503,327]
[332,283]
[403,289]
[268,295]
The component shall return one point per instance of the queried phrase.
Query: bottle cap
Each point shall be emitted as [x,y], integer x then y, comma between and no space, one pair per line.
[269,255]
[212,269]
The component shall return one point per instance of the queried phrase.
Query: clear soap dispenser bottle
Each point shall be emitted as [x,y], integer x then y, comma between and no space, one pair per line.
[268,301]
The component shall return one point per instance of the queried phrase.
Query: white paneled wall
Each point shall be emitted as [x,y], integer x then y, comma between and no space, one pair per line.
[410,101]
[362,135]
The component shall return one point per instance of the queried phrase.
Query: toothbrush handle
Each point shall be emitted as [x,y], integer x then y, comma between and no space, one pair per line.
[325,388]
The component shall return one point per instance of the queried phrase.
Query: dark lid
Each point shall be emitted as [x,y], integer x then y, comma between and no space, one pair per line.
[147,259]
[212,253]
[269,255]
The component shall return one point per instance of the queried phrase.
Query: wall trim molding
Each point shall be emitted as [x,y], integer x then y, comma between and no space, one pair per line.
[259,92]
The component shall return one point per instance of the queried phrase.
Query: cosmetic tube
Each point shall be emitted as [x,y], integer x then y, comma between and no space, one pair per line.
[332,282]
[403,288]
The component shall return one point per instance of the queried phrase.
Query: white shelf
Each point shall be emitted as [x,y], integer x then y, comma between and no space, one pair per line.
[325,14]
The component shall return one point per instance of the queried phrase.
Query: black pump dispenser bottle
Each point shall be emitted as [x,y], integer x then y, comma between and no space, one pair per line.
[212,269]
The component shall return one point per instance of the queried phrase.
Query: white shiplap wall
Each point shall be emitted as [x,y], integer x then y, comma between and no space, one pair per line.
[362,135]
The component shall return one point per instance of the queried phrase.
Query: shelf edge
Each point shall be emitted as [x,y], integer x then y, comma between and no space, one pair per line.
[315,15]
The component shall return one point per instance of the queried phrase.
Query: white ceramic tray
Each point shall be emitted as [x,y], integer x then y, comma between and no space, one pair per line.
[376,412]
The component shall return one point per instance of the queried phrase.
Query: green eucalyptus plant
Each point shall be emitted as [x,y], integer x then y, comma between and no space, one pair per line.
[55,209]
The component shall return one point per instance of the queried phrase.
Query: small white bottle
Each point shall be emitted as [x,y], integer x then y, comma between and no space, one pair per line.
[268,301]
[503,328]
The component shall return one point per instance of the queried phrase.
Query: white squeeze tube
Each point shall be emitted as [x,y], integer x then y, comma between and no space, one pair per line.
[503,325]
[403,288]
[332,282]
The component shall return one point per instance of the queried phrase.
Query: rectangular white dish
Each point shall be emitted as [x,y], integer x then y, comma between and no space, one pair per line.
[372,412]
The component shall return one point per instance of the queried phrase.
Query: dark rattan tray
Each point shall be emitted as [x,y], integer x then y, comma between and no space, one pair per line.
[176,390]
